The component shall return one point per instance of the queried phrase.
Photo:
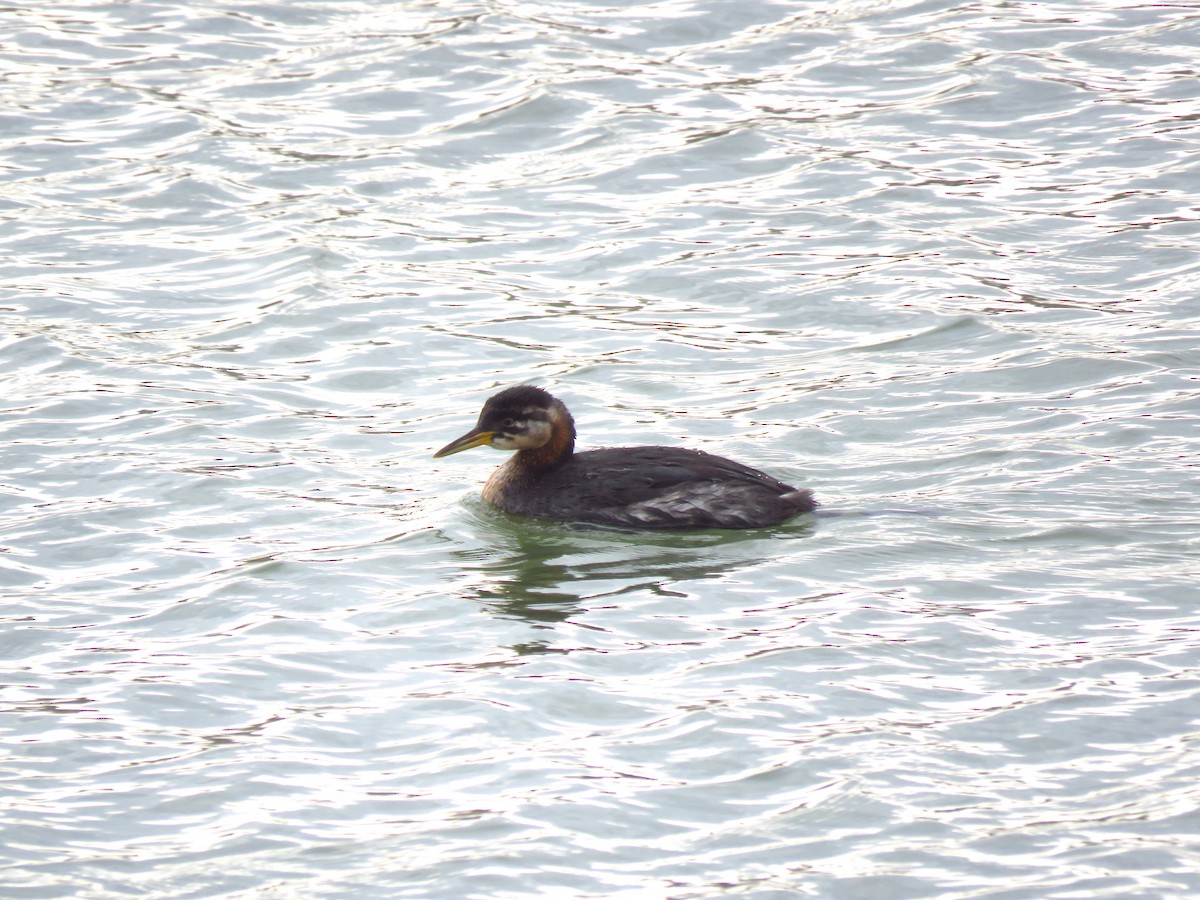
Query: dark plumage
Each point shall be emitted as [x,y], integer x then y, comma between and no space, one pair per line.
[641,487]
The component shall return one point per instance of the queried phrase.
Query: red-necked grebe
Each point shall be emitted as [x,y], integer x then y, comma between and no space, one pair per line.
[639,487]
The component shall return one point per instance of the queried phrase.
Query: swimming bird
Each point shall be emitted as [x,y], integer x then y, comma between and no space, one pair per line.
[632,487]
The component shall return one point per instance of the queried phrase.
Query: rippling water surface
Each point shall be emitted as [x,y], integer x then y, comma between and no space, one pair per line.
[936,261]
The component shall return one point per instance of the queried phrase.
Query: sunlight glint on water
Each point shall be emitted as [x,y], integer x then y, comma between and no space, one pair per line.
[935,262]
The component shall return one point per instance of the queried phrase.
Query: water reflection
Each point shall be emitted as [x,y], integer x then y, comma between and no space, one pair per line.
[545,573]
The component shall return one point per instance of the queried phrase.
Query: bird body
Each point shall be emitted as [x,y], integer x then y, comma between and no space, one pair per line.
[639,487]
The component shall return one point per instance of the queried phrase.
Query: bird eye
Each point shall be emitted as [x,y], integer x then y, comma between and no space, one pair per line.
[507,423]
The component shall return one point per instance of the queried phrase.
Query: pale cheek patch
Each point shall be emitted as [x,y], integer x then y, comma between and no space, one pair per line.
[534,434]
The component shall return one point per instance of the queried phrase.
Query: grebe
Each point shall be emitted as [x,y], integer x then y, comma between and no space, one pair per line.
[639,487]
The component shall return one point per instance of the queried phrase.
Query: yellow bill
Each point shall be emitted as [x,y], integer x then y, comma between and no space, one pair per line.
[472,438]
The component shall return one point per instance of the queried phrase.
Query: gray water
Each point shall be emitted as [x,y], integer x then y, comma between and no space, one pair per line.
[936,261]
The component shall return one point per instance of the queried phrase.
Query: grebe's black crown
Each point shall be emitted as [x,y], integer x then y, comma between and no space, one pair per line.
[521,397]
[516,406]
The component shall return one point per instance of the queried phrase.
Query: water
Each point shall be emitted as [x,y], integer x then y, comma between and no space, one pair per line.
[935,261]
